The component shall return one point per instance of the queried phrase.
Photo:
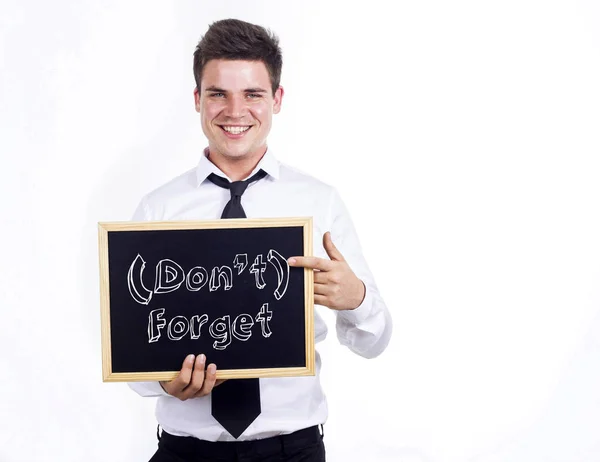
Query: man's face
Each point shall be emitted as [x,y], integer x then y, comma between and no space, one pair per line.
[236,106]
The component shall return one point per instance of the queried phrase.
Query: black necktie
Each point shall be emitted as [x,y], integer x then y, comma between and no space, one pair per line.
[233,208]
[236,402]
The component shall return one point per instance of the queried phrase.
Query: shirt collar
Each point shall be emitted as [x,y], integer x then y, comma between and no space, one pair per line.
[268,163]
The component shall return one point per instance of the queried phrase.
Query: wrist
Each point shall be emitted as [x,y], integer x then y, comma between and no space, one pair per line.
[360,295]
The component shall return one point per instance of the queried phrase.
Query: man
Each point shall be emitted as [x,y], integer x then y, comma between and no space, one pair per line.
[237,67]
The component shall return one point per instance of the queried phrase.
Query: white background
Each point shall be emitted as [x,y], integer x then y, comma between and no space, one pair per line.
[464,138]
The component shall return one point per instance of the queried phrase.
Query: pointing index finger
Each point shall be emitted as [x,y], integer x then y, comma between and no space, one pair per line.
[321,264]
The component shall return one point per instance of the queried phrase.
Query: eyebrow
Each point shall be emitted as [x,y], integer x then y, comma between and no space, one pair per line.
[247,90]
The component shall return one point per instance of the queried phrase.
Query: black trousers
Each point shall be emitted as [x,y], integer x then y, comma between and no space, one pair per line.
[301,446]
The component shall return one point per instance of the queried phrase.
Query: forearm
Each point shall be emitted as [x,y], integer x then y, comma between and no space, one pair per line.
[147,389]
[367,329]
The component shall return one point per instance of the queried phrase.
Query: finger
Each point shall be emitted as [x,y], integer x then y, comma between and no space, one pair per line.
[209,380]
[321,264]
[331,278]
[322,289]
[217,383]
[321,300]
[183,379]
[331,249]
[197,378]
[321,277]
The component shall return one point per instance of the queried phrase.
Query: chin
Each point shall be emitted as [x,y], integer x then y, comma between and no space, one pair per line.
[235,153]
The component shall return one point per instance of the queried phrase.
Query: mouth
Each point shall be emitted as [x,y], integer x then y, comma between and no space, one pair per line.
[235,131]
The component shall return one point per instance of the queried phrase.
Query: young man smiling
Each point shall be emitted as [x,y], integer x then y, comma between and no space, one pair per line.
[237,67]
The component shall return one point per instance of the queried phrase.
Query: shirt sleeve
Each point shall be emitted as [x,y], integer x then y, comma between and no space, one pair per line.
[141,212]
[367,329]
[147,389]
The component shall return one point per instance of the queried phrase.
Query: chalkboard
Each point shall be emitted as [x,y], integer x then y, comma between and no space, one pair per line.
[222,288]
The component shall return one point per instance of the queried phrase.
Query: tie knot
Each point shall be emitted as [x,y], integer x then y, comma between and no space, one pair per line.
[233,208]
[237,188]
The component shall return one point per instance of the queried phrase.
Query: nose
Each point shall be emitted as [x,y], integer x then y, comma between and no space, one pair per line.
[236,107]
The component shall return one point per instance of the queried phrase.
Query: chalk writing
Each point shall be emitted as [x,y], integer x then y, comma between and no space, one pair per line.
[221,329]
[134,281]
[196,278]
[283,272]
[224,272]
[170,276]
[240,262]
[258,268]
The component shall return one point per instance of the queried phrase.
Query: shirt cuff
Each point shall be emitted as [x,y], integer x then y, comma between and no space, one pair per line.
[361,313]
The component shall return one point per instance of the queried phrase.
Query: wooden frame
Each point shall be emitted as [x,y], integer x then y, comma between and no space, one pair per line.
[105,227]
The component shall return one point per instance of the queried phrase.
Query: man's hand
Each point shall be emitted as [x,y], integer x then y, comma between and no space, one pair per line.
[336,285]
[193,381]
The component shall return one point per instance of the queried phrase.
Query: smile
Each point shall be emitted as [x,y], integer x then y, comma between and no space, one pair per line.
[235,129]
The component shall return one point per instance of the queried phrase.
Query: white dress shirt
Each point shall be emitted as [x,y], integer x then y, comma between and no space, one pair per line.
[291,403]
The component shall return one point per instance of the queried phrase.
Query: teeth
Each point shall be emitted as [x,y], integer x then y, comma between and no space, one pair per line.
[235,130]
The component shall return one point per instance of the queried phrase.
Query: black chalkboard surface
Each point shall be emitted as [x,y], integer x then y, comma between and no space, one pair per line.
[222,288]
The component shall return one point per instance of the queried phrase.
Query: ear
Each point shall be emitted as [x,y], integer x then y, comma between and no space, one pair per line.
[277,97]
[197,99]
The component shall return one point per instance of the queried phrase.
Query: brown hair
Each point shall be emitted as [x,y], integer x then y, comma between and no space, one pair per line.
[239,40]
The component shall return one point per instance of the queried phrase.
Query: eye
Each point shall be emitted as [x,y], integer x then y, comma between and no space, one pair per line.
[254,95]
[217,94]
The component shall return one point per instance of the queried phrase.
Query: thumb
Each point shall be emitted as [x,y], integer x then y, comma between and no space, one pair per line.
[331,249]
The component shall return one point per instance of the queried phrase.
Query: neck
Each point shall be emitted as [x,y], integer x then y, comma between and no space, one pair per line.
[236,168]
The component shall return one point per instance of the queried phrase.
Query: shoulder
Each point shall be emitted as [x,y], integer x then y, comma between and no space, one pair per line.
[319,194]
[181,184]
[294,176]
[153,205]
